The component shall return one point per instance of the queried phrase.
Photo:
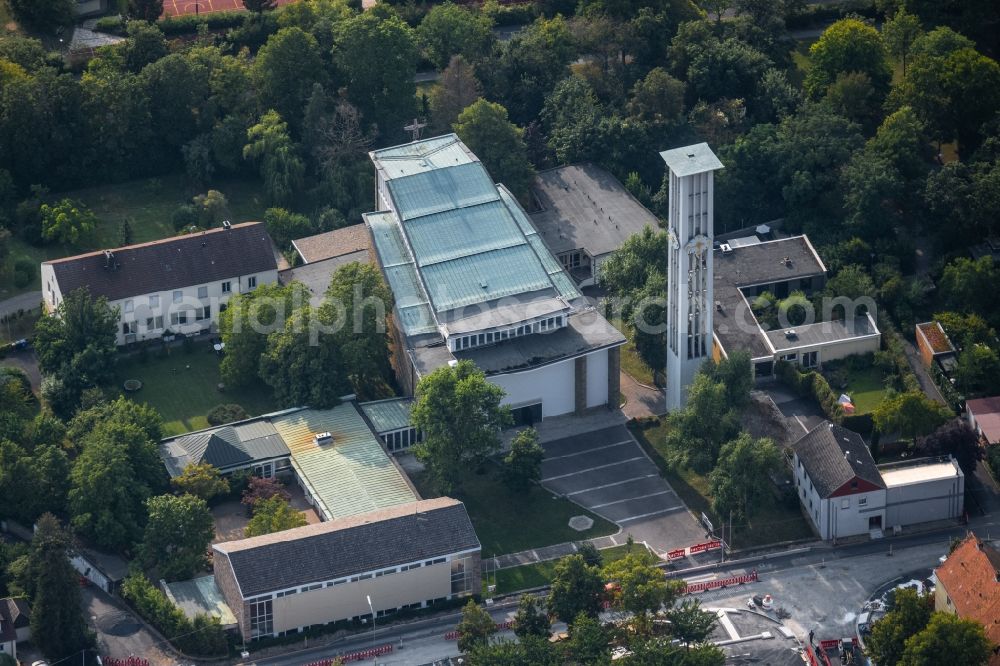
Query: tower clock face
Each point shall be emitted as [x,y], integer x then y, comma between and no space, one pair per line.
[698,245]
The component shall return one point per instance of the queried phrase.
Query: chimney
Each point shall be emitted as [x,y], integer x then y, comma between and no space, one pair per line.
[322,438]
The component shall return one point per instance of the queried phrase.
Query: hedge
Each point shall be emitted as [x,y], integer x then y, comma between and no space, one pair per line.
[114,25]
[509,15]
[202,637]
[816,15]
[188,23]
[810,383]
[863,424]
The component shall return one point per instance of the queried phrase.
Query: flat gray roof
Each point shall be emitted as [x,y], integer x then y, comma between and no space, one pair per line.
[820,333]
[584,206]
[586,331]
[690,160]
[316,276]
[200,595]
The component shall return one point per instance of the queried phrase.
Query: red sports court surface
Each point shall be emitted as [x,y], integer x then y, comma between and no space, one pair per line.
[179,7]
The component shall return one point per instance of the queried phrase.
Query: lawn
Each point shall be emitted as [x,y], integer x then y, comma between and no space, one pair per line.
[631,362]
[772,522]
[866,389]
[148,205]
[535,575]
[509,522]
[183,387]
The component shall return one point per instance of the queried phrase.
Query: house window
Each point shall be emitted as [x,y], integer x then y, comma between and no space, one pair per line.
[845,503]
[806,284]
[204,313]
[461,575]
[178,296]
[227,287]
[128,327]
[178,318]
[154,323]
[809,359]
[791,358]
[154,301]
[252,282]
[261,619]
[264,471]
[862,501]
[202,292]
[128,306]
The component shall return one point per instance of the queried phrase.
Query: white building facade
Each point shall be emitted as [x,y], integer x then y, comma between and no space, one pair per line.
[689,265]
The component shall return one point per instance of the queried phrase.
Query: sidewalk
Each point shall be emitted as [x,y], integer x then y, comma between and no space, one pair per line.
[558,551]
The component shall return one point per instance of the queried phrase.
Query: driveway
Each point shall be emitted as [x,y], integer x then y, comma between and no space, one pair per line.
[607,472]
[119,632]
[801,413]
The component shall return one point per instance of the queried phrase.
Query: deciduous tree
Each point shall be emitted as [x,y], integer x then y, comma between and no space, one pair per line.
[284,226]
[576,589]
[201,480]
[849,45]
[909,615]
[483,126]
[523,464]
[911,414]
[281,168]
[899,33]
[285,70]
[640,588]
[274,514]
[589,643]
[690,623]
[145,10]
[738,478]
[959,640]
[475,627]
[530,619]
[456,89]
[178,532]
[68,222]
[450,30]
[43,15]
[460,414]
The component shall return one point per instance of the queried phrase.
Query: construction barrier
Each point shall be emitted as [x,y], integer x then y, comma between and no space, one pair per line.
[501,626]
[704,586]
[678,554]
[714,544]
[127,661]
[360,655]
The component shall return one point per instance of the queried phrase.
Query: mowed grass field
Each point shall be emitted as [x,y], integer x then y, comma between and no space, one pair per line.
[509,521]
[539,574]
[147,204]
[183,386]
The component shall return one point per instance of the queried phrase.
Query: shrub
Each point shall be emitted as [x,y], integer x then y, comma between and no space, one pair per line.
[863,424]
[202,636]
[505,15]
[184,216]
[226,413]
[993,459]
[24,273]
[114,25]
[814,15]
[810,383]
[189,23]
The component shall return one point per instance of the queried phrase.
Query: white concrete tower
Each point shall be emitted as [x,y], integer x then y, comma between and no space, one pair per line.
[689,266]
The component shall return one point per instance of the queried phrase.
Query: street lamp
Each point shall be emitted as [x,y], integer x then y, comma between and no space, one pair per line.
[369,598]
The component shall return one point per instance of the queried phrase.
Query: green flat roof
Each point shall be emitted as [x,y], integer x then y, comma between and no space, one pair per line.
[443,189]
[412,305]
[350,475]
[388,415]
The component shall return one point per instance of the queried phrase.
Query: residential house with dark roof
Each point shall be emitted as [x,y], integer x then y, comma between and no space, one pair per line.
[746,268]
[584,214]
[15,625]
[969,587]
[253,444]
[403,557]
[844,493]
[173,285]
[473,279]
[983,415]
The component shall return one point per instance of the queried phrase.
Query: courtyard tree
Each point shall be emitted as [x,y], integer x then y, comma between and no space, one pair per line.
[259,488]
[910,613]
[475,627]
[281,168]
[949,637]
[274,514]
[58,628]
[640,588]
[531,618]
[910,414]
[201,480]
[523,464]
[178,533]
[577,588]
[461,417]
[483,126]
[451,30]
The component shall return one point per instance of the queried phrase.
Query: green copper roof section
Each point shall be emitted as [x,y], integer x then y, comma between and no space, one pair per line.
[350,475]
[442,189]
[388,415]
[419,156]
[485,277]
[462,232]
[412,306]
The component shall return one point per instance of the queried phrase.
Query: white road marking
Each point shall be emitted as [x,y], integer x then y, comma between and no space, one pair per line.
[580,453]
[647,515]
[591,469]
[629,499]
[608,485]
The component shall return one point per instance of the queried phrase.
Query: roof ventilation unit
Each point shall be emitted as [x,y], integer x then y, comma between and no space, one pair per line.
[787,261]
[226,224]
[322,438]
[791,334]
[726,248]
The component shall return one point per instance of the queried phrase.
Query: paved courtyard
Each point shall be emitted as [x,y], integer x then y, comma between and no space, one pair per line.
[606,471]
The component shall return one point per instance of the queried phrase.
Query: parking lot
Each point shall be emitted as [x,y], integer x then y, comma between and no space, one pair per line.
[607,472]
